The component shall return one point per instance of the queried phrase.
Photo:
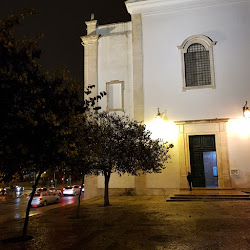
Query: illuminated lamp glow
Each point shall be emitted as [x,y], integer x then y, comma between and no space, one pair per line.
[240,126]
[164,130]
[246,111]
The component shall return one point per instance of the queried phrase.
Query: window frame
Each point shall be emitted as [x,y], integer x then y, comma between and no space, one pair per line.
[208,44]
[109,109]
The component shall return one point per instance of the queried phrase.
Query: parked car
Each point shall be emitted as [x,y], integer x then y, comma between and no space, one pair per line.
[2,190]
[54,190]
[71,190]
[42,189]
[44,198]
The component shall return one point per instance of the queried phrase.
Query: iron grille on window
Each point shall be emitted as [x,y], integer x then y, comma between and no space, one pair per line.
[197,66]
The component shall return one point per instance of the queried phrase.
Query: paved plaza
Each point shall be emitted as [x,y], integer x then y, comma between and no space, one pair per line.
[137,222]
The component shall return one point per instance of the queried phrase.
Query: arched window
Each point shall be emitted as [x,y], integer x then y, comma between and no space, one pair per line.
[197,62]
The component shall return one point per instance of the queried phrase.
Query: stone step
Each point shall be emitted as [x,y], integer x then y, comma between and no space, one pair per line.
[212,195]
[208,199]
[220,196]
[208,188]
[202,197]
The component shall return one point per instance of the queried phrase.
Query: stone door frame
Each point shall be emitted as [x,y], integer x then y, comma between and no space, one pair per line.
[215,127]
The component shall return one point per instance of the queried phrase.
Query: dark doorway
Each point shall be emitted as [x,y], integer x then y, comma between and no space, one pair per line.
[203,160]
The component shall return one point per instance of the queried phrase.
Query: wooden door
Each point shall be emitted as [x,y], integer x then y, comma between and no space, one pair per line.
[198,144]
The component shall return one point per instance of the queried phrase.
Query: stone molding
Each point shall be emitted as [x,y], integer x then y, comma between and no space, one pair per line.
[108,95]
[148,7]
[208,45]
[216,127]
[91,27]
[90,62]
[204,40]
[89,39]
[137,68]
[114,28]
[216,120]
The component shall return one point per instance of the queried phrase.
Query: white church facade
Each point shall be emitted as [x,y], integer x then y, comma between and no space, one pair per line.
[191,60]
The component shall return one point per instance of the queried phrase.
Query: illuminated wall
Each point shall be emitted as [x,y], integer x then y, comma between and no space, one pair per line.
[115,61]
[117,181]
[164,30]
[238,131]
[165,25]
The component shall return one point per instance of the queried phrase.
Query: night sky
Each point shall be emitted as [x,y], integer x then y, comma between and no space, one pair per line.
[63,22]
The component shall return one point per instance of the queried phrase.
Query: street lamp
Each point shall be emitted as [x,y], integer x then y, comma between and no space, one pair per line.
[246,111]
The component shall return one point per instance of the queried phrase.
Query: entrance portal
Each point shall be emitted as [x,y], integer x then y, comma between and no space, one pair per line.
[203,160]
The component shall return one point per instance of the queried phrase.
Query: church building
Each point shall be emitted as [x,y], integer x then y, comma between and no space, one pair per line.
[187,61]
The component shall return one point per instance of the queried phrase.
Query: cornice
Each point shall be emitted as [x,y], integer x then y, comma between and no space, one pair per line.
[148,7]
[216,120]
[89,39]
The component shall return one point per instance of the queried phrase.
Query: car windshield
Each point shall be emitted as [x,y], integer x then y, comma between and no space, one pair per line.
[68,187]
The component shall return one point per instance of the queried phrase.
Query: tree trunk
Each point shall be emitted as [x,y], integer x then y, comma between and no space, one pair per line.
[79,198]
[26,222]
[106,189]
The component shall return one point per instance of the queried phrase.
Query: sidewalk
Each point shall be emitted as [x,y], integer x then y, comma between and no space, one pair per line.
[135,222]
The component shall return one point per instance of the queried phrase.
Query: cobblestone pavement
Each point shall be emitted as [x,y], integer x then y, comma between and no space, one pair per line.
[134,222]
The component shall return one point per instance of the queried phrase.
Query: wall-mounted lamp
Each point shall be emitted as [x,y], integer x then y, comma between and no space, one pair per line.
[159,114]
[246,111]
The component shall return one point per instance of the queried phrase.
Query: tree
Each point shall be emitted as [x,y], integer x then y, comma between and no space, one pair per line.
[80,156]
[44,111]
[124,146]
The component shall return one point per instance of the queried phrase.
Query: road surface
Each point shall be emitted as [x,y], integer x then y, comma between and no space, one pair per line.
[15,208]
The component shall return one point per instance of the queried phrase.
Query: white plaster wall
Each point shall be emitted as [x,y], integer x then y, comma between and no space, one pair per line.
[238,132]
[162,33]
[170,176]
[228,25]
[115,61]
[117,181]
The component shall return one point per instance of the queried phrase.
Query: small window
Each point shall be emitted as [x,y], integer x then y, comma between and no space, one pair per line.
[115,99]
[197,62]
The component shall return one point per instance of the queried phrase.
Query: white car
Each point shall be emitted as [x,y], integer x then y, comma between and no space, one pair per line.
[71,190]
[54,190]
[44,198]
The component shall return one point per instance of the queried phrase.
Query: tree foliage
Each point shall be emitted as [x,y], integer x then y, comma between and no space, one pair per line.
[42,113]
[125,146]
